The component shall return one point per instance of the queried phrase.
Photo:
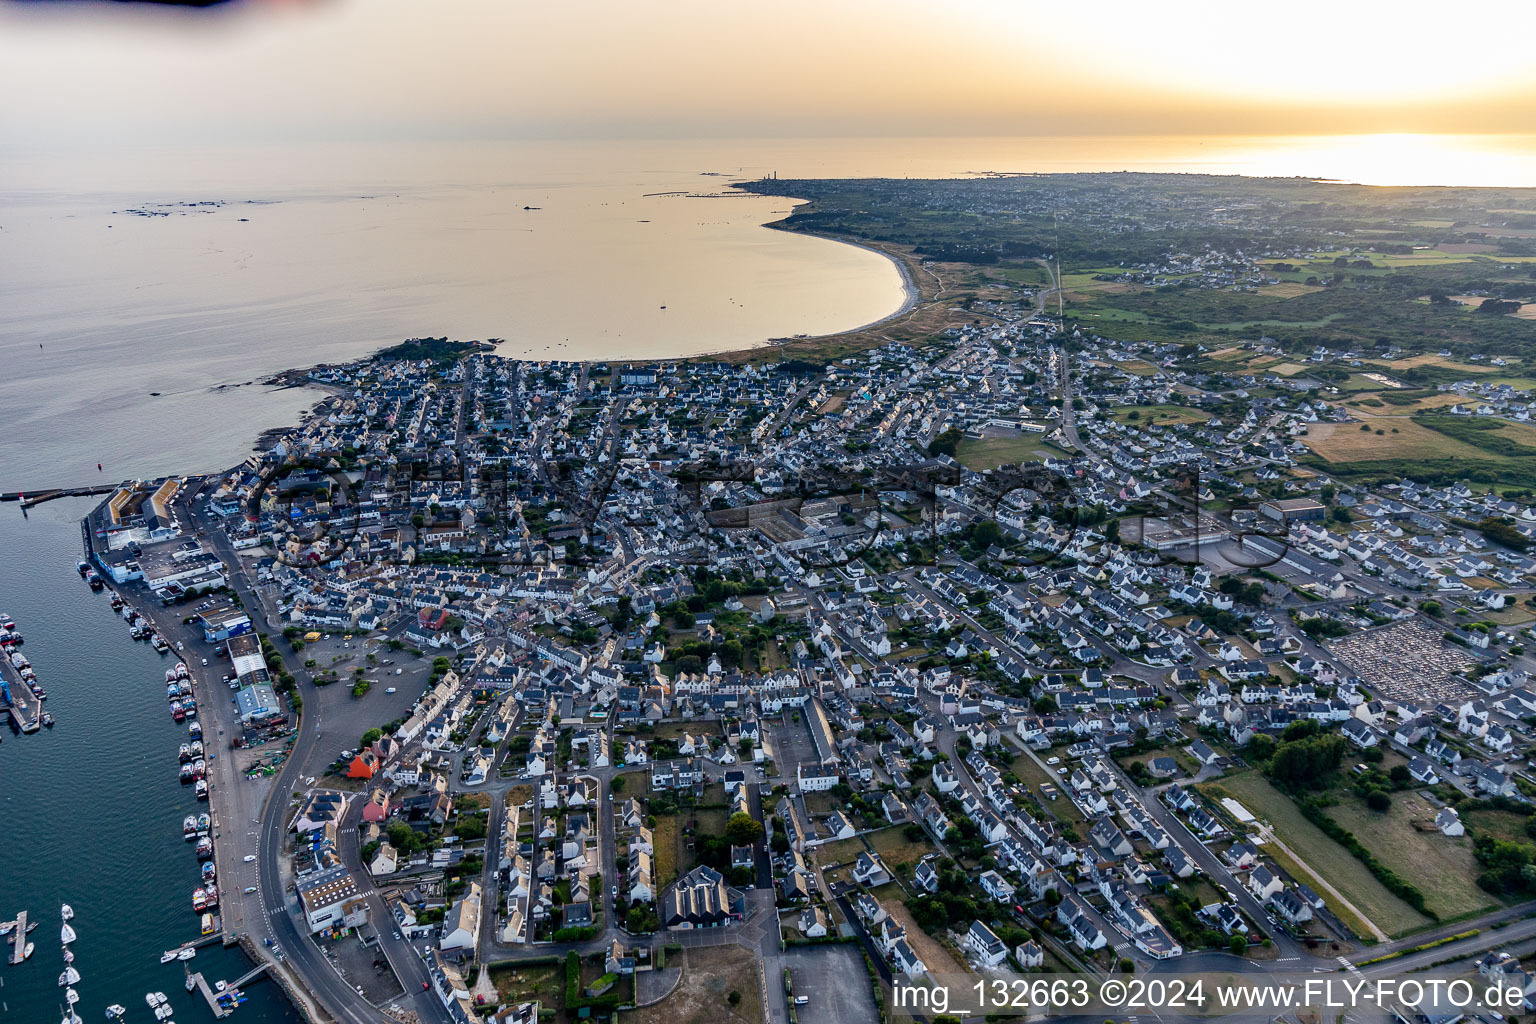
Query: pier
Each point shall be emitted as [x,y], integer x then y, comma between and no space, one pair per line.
[212,998]
[37,497]
[25,709]
[19,938]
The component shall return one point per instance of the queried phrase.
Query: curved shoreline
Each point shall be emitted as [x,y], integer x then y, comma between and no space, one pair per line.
[911,295]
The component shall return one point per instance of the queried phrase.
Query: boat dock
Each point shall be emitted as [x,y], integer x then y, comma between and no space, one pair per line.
[19,938]
[24,707]
[212,998]
[30,498]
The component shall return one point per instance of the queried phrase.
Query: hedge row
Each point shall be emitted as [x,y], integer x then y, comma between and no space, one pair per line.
[1394,882]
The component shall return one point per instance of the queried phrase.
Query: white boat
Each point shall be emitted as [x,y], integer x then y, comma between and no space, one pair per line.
[69,977]
[187,953]
[66,912]
[163,1011]
[153,999]
[66,935]
[71,1017]
[161,997]
[71,996]
[69,956]
[168,956]
[116,1010]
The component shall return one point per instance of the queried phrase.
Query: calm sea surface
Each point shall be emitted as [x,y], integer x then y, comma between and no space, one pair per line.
[130,338]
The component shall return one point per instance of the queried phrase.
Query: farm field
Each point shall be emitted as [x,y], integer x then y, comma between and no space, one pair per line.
[1499,824]
[929,950]
[1442,868]
[1346,442]
[1321,854]
[519,983]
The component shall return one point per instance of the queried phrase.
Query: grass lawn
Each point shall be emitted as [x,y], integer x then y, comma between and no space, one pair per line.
[1441,867]
[844,851]
[1166,415]
[1322,855]
[710,975]
[1033,776]
[544,982]
[895,848]
[667,841]
[990,452]
[1499,824]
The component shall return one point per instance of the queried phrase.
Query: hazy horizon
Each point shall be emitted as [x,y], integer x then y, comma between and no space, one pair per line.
[105,75]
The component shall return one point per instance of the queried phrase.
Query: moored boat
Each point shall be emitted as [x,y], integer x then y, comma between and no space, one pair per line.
[201,787]
[66,935]
[116,1010]
[69,977]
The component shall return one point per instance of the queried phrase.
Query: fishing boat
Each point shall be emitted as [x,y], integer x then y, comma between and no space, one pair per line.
[69,977]
[185,753]
[199,768]
[204,822]
[94,580]
[66,912]
[186,775]
[82,567]
[197,749]
[194,729]
[47,719]
[209,870]
[117,602]
[204,848]
[189,827]
[66,935]
[207,924]
[201,788]
[116,1010]
[187,953]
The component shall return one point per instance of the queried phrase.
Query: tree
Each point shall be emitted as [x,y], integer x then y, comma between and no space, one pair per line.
[1238,945]
[1378,800]
[734,998]
[945,443]
[617,785]
[743,829]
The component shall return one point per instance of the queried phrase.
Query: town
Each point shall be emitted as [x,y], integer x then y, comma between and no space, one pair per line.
[734,691]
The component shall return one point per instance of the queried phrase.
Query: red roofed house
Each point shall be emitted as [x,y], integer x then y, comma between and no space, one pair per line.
[433,618]
[377,807]
[363,766]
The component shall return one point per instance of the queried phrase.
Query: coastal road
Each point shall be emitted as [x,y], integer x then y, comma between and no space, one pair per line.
[276,914]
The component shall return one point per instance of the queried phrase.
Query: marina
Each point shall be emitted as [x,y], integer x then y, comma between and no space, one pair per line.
[20,690]
[21,948]
[144,872]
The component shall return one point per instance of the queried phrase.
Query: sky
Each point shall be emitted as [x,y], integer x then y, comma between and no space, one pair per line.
[407,69]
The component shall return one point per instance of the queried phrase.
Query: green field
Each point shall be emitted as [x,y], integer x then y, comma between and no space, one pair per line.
[1440,867]
[1032,775]
[1166,415]
[896,849]
[991,452]
[1325,858]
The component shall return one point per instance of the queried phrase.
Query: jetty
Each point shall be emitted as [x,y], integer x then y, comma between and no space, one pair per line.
[25,709]
[42,494]
[210,996]
[19,938]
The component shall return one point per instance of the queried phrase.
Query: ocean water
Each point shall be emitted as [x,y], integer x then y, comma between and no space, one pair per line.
[93,807]
[144,291]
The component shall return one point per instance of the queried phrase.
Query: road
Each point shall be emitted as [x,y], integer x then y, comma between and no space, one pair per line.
[273,911]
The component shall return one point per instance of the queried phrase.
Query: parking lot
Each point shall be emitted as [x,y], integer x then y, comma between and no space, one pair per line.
[342,718]
[834,980]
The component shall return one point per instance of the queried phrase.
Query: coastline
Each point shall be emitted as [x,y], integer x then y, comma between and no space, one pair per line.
[911,294]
